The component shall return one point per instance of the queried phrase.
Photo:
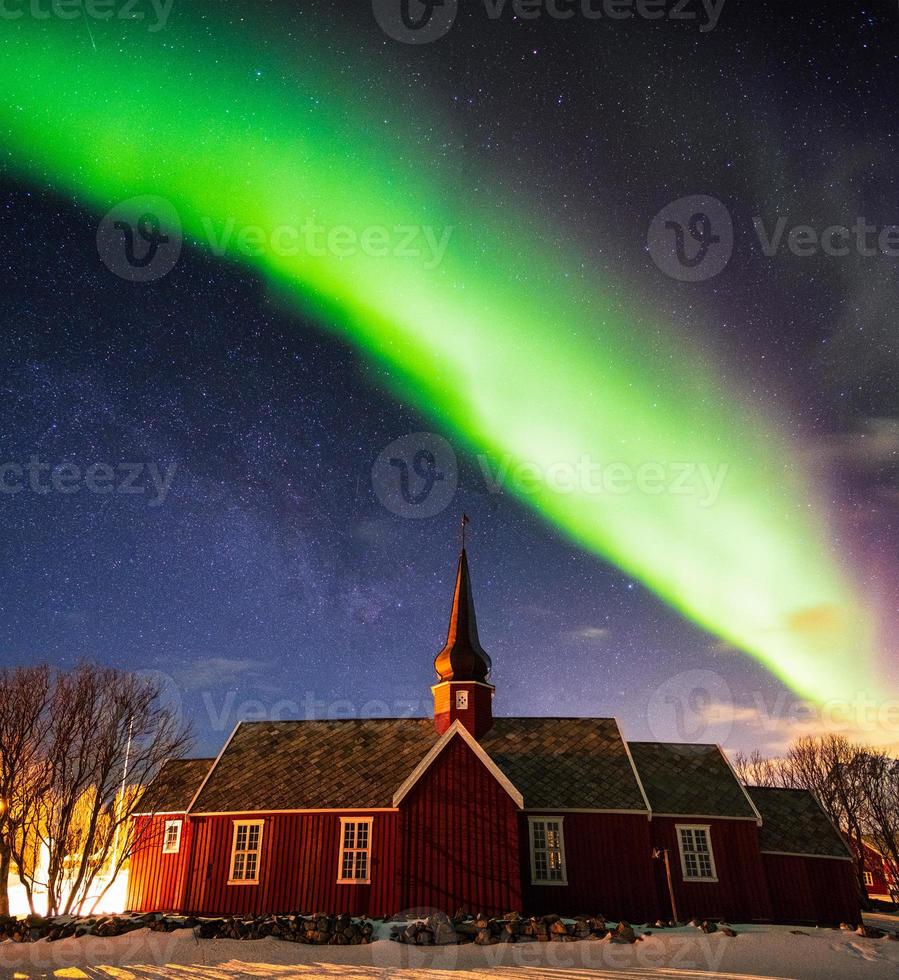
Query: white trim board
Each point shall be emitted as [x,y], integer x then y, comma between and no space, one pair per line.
[636,773]
[212,768]
[457,728]
[733,772]
[822,857]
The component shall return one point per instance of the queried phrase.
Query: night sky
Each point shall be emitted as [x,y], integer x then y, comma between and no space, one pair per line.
[271,576]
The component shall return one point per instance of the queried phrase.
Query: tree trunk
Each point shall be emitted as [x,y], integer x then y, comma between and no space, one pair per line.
[5,858]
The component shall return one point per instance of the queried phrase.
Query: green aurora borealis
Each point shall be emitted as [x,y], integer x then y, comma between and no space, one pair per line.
[513,343]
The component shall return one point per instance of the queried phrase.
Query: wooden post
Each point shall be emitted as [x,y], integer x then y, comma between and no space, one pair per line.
[662,853]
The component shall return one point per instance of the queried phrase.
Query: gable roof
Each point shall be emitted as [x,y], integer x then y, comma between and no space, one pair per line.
[552,763]
[174,786]
[457,729]
[687,780]
[565,763]
[794,823]
[312,765]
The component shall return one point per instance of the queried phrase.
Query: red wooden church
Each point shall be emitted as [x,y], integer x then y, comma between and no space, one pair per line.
[487,814]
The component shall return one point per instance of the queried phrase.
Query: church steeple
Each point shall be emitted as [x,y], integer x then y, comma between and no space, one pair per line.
[462,657]
[462,665]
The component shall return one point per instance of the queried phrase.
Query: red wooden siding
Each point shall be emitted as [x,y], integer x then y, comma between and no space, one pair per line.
[812,890]
[459,833]
[741,892]
[607,863]
[156,880]
[298,866]
[879,868]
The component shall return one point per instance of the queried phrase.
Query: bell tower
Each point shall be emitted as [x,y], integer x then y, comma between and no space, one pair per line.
[462,666]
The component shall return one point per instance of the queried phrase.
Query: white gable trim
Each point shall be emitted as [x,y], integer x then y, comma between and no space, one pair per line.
[630,759]
[457,728]
[733,772]
[206,778]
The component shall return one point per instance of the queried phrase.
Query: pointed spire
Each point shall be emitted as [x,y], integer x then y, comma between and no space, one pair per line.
[462,658]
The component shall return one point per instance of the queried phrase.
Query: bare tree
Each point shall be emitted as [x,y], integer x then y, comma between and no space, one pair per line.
[880,813]
[25,695]
[758,770]
[108,733]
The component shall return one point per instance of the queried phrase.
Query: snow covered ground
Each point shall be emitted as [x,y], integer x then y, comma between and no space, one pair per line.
[758,951]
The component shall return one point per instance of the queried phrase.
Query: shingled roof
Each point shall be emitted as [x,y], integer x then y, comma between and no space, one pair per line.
[794,823]
[300,765]
[174,786]
[689,780]
[565,763]
[292,765]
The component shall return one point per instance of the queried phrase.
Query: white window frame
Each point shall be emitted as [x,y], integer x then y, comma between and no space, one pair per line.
[175,846]
[869,879]
[355,850]
[707,829]
[461,700]
[232,880]
[532,822]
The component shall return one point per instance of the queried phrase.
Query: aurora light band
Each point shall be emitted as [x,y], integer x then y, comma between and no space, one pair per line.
[513,342]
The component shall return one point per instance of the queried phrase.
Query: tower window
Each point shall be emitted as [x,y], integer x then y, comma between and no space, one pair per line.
[461,700]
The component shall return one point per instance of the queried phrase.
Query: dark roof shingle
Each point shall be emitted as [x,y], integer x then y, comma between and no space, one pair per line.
[560,763]
[565,763]
[299,765]
[174,786]
[689,780]
[794,823]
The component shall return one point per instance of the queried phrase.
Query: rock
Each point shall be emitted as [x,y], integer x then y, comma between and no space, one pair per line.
[728,931]
[869,932]
[708,927]
[846,927]
[623,933]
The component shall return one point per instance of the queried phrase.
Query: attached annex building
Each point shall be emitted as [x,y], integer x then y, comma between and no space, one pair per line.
[487,814]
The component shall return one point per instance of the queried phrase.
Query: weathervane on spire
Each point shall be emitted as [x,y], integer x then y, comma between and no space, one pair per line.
[462,529]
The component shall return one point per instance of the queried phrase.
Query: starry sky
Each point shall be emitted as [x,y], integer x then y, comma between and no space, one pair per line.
[273,576]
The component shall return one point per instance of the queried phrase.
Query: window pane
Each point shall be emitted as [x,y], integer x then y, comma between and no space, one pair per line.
[362,864]
[241,844]
[238,867]
[250,873]
[362,835]
[253,838]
